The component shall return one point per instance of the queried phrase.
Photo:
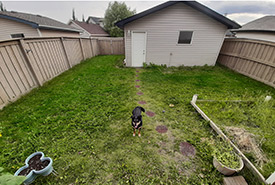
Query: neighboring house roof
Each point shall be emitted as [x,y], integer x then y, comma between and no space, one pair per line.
[93,29]
[37,21]
[264,24]
[96,20]
[218,17]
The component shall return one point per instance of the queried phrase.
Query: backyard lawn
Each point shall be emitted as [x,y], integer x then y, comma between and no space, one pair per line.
[81,119]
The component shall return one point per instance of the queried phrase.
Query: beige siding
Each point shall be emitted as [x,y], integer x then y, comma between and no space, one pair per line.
[259,36]
[9,27]
[162,30]
[54,33]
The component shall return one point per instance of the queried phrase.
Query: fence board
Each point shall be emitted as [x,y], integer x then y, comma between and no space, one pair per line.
[30,62]
[253,58]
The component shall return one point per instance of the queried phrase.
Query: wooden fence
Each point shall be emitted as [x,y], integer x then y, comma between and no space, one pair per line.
[253,58]
[30,62]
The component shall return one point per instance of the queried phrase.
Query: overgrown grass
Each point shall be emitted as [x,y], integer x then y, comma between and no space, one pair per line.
[81,120]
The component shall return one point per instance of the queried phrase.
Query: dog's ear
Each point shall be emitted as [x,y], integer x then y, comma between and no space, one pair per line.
[139,117]
[131,117]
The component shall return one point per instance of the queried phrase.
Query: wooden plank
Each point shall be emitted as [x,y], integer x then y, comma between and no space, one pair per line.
[10,72]
[25,74]
[81,47]
[28,61]
[4,81]
[25,67]
[248,58]
[22,79]
[37,62]
[43,59]
[50,58]
[54,56]
[42,48]
[61,55]
[43,68]
[223,136]
[3,95]
[236,180]
[65,52]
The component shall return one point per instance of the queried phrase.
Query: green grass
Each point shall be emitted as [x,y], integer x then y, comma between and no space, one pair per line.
[81,120]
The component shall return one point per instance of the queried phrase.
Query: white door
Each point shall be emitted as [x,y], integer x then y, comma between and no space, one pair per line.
[138,48]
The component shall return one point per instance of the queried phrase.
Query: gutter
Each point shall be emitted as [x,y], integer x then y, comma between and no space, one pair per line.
[249,165]
[58,28]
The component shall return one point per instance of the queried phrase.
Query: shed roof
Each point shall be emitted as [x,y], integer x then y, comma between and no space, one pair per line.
[37,21]
[209,12]
[264,24]
[91,28]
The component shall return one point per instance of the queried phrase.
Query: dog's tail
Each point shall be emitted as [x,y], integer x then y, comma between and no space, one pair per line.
[142,109]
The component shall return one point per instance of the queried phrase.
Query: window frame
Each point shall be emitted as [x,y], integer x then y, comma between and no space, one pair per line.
[185,44]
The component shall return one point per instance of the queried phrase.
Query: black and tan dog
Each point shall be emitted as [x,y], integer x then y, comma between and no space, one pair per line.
[137,119]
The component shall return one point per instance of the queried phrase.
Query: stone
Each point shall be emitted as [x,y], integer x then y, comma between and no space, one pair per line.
[187,149]
[161,129]
[150,113]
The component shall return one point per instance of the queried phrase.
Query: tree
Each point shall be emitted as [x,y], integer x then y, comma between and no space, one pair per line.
[115,12]
[2,8]
[73,16]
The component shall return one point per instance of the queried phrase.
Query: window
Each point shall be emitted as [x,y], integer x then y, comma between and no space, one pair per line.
[185,37]
[17,35]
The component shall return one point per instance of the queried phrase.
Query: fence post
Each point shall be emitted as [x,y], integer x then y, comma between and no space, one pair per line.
[28,61]
[91,41]
[111,45]
[65,52]
[82,50]
[99,46]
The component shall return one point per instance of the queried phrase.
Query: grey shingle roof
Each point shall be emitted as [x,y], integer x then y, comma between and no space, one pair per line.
[91,28]
[266,23]
[37,21]
[194,4]
[95,19]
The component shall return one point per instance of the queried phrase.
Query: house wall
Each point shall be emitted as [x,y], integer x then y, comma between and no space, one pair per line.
[256,35]
[9,27]
[163,28]
[54,33]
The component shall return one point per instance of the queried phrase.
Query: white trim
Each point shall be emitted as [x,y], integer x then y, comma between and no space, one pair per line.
[39,32]
[220,47]
[145,45]
[185,44]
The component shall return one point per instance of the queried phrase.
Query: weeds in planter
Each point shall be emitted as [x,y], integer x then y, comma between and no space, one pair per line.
[250,125]
[225,154]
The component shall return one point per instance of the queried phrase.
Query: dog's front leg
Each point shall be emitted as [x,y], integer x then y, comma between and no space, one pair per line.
[139,132]
[134,134]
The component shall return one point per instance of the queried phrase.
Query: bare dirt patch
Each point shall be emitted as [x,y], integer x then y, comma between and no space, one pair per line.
[161,129]
[247,142]
[187,149]
[142,102]
[150,113]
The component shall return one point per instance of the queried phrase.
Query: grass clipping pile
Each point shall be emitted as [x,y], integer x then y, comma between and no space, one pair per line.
[247,143]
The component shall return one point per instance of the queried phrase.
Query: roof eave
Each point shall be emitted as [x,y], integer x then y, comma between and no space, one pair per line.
[270,31]
[58,28]
[218,17]
[32,24]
